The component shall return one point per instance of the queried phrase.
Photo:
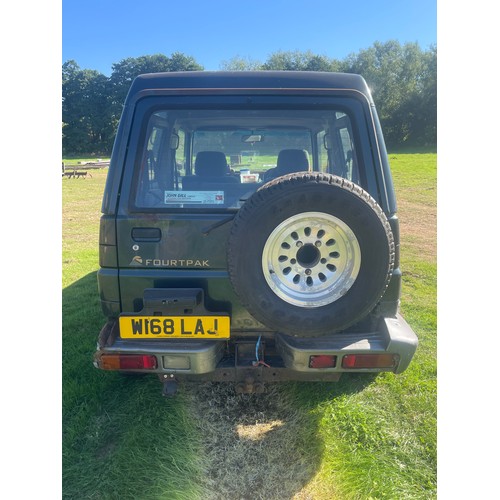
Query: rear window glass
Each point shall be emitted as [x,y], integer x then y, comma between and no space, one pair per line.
[218,158]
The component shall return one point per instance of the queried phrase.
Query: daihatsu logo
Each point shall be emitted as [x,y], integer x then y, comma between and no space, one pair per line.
[136,261]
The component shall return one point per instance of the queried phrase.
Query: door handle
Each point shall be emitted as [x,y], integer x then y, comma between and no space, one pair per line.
[146,234]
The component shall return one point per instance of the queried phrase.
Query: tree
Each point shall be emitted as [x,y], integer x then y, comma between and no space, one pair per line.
[300,61]
[424,124]
[402,80]
[283,61]
[239,63]
[85,110]
[92,103]
[181,62]
[126,70]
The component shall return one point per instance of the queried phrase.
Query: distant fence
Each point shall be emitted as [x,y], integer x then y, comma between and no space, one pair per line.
[80,170]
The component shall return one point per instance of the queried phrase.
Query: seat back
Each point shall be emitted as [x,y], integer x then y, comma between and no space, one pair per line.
[292,160]
[211,164]
[289,161]
[211,172]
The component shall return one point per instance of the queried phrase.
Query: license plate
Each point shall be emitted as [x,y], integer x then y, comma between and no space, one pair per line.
[199,327]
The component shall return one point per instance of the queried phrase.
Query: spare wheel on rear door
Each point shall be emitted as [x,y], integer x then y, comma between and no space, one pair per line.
[310,254]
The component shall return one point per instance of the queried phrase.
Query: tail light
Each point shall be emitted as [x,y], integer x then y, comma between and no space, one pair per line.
[107,242]
[127,362]
[370,361]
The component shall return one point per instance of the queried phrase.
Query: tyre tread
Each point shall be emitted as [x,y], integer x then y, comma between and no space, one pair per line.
[277,186]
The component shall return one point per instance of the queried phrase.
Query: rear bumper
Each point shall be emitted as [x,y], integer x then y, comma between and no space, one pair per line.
[275,358]
[394,336]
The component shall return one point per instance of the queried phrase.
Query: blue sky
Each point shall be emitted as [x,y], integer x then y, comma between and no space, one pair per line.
[98,33]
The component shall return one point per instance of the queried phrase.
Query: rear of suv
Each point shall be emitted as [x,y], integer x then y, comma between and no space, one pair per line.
[249,232]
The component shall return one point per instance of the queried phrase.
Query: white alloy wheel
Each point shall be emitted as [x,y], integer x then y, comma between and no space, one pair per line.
[311,259]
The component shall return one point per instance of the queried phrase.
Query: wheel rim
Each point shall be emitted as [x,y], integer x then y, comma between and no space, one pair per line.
[311,259]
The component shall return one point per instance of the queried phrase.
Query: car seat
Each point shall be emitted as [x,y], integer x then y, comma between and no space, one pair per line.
[289,161]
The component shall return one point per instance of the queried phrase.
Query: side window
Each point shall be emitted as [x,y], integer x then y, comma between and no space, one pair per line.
[151,156]
[348,153]
[157,171]
[180,153]
[336,151]
[322,152]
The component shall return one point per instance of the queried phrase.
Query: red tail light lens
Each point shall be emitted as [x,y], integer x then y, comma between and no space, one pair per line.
[127,362]
[369,361]
[322,361]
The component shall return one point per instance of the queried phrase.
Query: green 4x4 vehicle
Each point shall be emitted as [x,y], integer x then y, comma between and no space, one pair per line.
[249,232]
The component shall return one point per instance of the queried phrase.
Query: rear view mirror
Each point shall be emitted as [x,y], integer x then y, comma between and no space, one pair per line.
[252,138]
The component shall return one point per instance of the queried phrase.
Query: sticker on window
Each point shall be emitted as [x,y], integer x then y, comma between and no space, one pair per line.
[194,197]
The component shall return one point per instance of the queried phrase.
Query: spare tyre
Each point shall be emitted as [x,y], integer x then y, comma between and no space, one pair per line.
[310,254]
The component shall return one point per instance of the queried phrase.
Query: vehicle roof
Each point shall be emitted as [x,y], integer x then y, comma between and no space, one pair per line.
[250,80]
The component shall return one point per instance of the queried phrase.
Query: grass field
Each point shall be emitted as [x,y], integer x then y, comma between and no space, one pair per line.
[363,437]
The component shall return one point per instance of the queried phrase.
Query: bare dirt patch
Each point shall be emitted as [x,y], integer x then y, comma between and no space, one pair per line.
[255,446]
[418,222]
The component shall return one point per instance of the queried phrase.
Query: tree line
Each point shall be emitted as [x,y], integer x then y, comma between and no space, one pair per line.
[402,78]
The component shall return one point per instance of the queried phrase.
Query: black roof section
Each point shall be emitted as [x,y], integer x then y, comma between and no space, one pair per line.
[250,80]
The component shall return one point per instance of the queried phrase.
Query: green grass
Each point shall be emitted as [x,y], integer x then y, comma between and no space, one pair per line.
[363,437]
[121,439]
[380,438]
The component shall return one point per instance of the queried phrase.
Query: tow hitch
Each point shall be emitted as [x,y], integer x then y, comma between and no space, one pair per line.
[170,385]
[249,364]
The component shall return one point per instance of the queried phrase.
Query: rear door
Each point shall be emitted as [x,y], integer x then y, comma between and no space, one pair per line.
[170,235]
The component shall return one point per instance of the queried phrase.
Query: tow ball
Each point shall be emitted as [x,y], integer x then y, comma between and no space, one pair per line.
[170,385]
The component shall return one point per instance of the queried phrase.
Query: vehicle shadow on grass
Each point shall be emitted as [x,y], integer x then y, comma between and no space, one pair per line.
[263,445]
[121,438]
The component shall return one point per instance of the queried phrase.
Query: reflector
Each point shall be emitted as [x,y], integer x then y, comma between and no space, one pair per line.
[322,361]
